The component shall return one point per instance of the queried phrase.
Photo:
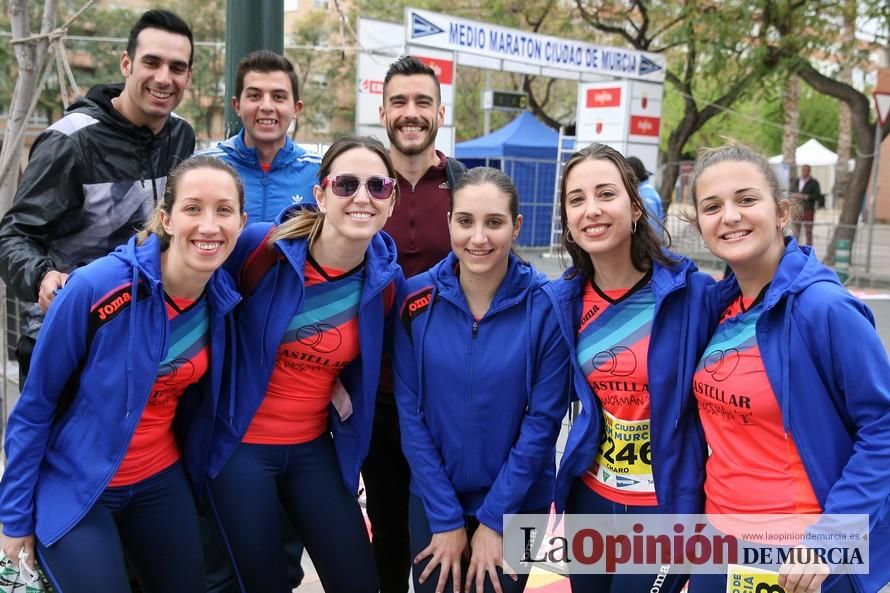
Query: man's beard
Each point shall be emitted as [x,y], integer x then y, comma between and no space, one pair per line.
[414,149]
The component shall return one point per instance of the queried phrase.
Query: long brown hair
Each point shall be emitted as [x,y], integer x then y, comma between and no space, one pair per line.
[308,222]
[645,244]
[155,223]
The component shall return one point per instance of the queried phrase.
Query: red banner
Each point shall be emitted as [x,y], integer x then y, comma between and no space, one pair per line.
[641,125]
[610,97]
[444,69]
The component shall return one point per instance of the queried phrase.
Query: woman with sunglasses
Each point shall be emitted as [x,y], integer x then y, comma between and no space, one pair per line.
[630,312]
[481,379]
[95,473]
[807,428]
[318,286]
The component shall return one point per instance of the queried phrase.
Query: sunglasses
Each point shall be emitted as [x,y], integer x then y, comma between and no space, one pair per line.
[346,186]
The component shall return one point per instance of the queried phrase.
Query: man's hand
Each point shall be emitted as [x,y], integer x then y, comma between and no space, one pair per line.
[447,549]
[51,284]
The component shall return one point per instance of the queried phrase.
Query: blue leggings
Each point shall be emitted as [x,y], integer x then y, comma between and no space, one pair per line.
[305,480]
[583,500]
[152,523]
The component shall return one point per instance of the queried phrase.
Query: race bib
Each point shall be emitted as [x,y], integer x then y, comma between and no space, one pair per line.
[747,579]
[624,460]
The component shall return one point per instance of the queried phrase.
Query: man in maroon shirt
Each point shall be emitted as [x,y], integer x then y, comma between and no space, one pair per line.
[412,112]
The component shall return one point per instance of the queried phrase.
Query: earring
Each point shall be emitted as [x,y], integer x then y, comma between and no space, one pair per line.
[633,227]
[568,237]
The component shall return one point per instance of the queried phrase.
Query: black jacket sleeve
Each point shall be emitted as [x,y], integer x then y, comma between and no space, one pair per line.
[49,189]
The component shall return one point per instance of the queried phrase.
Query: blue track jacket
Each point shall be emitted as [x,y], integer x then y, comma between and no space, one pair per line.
[93,369]
[830,372]
[480,403]
[291,177]
[269,306]
[680,332]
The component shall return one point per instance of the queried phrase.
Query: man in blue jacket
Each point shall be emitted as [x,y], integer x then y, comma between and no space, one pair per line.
[276,172]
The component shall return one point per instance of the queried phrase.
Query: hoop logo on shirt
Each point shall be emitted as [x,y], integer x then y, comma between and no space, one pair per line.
[721,363]
[321,337]
[618,361]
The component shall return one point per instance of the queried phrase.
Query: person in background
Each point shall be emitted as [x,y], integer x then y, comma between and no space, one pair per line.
[276,172]
[412,113]
[95,175]
[808,426]
[806,195]
[482,386]
[95,473]
[631,313]
[649,195]
[319,290]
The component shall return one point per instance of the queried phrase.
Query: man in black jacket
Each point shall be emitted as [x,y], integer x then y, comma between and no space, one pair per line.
[94,176]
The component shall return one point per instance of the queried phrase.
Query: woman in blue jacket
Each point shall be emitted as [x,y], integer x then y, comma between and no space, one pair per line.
[94,471]
[318,286]
[808,428]
[481,388]
[629,312]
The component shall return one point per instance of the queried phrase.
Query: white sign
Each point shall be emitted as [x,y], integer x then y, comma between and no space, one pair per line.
[624,114]
[446,32]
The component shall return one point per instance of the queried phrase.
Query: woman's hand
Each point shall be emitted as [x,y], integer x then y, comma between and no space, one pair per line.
[13,545]
[447,549]
[486,554]
[803,578]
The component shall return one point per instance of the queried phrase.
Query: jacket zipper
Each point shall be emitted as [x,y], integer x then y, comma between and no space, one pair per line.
[467,460]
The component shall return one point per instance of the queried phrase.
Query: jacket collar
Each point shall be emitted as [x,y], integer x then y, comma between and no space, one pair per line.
[237,148]
[798,269]
[520,279]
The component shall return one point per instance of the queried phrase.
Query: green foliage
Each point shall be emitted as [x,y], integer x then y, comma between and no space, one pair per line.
[326,74]
[757,119]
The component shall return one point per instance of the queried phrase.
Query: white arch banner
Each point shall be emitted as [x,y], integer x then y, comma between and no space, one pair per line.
[486,45]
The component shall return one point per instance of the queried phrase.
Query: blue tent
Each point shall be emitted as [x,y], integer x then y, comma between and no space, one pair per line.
[526,150]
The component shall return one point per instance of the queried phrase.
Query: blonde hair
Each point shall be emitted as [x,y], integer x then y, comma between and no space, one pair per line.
[308,222]
[155,223]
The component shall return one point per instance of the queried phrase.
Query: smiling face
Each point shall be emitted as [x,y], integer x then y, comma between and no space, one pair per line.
[411,113]
[156,78]
[599,211]
[266,108]
[357,217]
[740,220]
[203,223]
[482,229]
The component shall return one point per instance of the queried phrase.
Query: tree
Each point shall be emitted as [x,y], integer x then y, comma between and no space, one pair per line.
[716,56]
[326,74]
[800,28]
[31,55]
[205,101]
